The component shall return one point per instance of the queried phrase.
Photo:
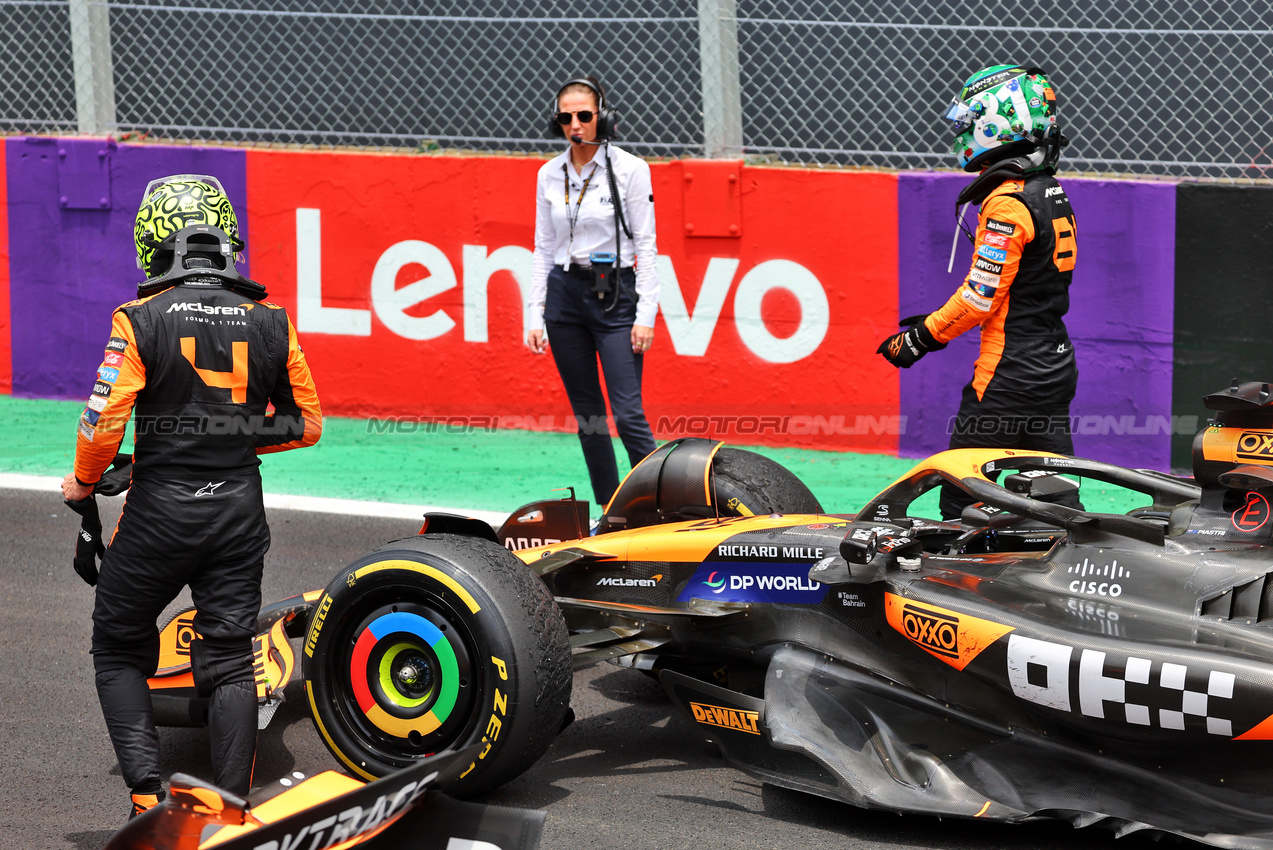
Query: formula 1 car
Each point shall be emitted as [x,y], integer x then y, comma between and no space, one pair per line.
[1029,660]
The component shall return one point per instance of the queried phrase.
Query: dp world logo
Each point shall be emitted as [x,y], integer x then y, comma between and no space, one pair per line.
[716,584]
[935,632]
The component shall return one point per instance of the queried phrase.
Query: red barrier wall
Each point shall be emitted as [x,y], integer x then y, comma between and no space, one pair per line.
[404,278]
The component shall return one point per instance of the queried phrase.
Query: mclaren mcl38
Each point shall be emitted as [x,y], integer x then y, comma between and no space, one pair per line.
[1031,660]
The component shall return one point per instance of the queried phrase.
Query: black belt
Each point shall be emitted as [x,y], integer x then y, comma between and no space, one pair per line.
[585,272]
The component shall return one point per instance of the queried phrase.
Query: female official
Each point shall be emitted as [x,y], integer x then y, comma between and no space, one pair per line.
[594,289]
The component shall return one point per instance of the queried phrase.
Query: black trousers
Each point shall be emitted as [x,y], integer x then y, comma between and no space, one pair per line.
[580,332]
[209,534]
[1030,412]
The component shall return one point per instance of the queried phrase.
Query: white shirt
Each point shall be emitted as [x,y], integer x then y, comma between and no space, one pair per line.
[594,227]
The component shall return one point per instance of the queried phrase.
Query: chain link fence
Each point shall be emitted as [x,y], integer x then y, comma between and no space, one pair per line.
[1160,88]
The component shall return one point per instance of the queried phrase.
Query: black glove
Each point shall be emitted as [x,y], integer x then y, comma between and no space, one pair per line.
[88,542]
[905,347]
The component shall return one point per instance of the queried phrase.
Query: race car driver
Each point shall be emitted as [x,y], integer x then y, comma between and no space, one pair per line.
[201,357]
[1017,290]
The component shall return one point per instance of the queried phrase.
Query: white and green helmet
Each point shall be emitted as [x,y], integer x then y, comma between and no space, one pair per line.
[1001,111]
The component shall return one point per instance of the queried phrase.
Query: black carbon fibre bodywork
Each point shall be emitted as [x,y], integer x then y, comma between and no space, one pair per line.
[1032,661]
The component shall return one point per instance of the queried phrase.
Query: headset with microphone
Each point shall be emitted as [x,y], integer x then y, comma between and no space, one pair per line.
[607,118]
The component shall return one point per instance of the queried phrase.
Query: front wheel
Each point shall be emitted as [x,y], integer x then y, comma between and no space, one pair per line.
[437,642]
[748,484]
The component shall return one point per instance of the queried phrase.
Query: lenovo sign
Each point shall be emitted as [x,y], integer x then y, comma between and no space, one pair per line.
[690,330]
[410,278]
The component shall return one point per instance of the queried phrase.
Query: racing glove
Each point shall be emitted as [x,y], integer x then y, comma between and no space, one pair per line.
[88,543]
[903,348]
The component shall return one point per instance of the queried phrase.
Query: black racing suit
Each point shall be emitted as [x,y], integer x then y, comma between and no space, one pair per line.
[1018,292]
[200,364]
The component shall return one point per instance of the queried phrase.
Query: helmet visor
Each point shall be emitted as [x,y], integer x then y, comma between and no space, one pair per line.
[182,178]
[960,115]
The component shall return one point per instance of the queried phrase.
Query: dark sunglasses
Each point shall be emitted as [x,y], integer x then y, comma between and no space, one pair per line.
[585,115]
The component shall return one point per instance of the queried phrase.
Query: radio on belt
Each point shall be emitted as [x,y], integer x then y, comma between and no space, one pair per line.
[604,266]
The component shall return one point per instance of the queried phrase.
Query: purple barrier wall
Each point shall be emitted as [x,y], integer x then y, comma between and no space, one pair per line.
[72,204]
[1120,315]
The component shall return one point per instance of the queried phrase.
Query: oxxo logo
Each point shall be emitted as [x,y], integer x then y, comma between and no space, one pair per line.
[691,329]
[934,631]
[183,635]
[953,637]
[1256,445]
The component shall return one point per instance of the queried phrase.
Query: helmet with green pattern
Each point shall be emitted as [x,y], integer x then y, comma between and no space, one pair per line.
[1003,111]
[172,203]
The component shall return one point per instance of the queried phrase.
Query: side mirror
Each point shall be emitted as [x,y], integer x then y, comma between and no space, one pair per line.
[859,546]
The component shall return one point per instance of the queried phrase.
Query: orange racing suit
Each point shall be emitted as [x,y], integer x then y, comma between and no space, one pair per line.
[1017,291]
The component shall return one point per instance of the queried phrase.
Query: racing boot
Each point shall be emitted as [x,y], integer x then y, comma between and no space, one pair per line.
[146,802]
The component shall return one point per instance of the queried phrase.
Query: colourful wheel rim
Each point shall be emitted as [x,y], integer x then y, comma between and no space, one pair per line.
[407,633]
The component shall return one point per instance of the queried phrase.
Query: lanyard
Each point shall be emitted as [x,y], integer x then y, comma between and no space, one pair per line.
[565,172]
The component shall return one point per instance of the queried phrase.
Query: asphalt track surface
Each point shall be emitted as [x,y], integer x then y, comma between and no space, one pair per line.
[629,773]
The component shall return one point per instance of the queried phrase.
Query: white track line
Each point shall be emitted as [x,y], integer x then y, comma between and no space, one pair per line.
[315,504]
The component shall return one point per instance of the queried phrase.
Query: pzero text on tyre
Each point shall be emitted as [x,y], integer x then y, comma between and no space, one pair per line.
[433,642]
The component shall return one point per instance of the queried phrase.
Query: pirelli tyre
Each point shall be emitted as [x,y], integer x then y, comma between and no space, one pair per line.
[436,642]
[748,484]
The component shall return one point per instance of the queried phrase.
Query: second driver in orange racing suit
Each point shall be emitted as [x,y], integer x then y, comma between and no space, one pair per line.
[201,357]
[1017,290]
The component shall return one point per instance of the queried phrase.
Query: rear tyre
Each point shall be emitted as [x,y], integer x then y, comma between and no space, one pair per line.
[437,642]
[750,484]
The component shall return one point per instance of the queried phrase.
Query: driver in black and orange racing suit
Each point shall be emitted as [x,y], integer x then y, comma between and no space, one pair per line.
[1017,289]
[201,357]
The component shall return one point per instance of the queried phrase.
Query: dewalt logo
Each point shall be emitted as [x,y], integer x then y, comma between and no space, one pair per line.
[935,632]
[1256,445]
[727,718]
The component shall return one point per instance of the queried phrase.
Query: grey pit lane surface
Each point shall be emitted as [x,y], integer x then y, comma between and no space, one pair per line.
[629,773]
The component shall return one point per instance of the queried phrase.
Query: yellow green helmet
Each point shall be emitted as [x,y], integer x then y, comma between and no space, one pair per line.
[174,202]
